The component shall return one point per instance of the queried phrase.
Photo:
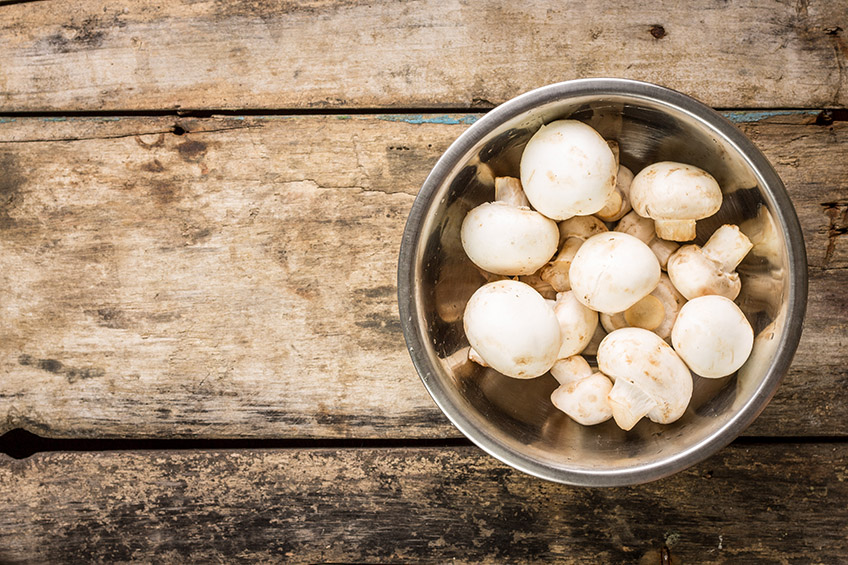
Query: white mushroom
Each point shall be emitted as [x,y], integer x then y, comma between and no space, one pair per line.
[650,379]
[539,284]
[510,191]
[475,357]
[583,393]
[675,195]
[699,271]
[577,324]
[712,336]
[513,328]
[572,233]
[508,240]
[613,271]
[618,203]
[656,312]
[643,229]
[580,227]
[567,169]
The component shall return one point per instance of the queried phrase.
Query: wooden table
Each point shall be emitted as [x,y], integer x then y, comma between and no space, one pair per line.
[201,206]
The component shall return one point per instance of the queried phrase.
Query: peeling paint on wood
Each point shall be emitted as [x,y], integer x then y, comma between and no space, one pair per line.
[137,55]
[430,505]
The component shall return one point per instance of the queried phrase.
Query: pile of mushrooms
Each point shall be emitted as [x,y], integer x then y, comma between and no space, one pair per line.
[587,258]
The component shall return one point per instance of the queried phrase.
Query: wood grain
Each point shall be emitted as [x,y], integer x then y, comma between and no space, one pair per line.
[136,55]
[429,505]
[239,280]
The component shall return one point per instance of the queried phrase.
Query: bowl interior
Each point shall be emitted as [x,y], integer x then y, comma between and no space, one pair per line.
[514,419]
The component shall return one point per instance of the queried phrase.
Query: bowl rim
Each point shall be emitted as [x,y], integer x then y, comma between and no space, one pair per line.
[786,217]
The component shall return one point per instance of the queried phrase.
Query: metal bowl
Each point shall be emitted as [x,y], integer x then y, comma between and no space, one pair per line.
[514,420]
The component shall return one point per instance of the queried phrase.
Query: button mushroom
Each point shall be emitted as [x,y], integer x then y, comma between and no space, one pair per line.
[567,169]
[513,329]
[577,324]
[539,284]
[583,393]
[656,312]
[712,336]
[572,233]
[508,240]
[698,271]
[618,203]
[650,379]
[643,229]
[675,195]
[612,271]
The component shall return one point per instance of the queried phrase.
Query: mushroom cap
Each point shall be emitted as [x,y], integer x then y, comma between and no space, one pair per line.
[694,274]
[674,191]
[577,324]
[644,360]
[612,271]
[506,240]
[586,401]
[513,328]
[567,169]
[712,336]
[582,227]
[571,369]
[640,227]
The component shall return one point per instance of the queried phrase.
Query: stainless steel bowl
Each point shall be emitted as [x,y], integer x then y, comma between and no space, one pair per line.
[514,420]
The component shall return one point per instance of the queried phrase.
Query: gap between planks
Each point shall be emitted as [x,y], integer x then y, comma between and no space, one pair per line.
[21,444]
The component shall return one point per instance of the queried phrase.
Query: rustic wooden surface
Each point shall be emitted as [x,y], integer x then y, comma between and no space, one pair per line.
[235,282]
[168,272]
[417,505]
[136,54]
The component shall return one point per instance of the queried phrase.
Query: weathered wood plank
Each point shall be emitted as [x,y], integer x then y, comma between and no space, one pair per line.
[239,280]
[420,505]
[104,54]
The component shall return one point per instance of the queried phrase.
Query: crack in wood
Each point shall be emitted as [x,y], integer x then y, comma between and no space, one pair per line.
[125,135]
[838,225]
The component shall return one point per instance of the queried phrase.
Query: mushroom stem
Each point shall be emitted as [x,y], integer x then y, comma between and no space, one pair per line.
[617,205]
[629,403]
[509,190]
[583,394]
[647,314]
[676,230]
[540,285]
[663,249]
[727,247]
[577,324]
[555,273]
[612,207]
